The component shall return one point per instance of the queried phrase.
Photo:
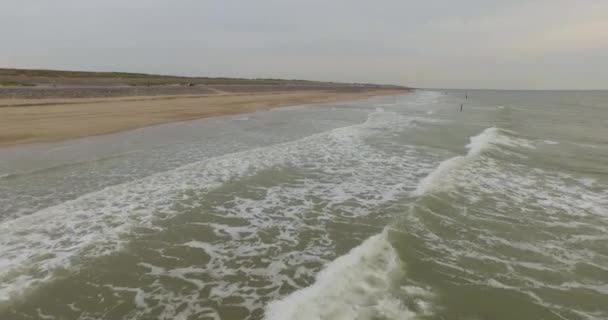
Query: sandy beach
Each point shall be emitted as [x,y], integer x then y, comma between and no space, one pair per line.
[29,120]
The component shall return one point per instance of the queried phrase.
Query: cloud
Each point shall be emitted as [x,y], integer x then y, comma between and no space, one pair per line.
[435,43]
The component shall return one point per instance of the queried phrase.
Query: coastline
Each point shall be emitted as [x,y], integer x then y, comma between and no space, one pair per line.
[28,121]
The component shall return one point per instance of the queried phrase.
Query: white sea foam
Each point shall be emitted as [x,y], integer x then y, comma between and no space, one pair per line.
[440,180]
[482,141]
[435,180]
[588,145]
[555,193]
[492,137]
[550,142]
[55,236]
[520,201]
[94,224]
[345,192]
[358,285]
[427,97]
[389,121]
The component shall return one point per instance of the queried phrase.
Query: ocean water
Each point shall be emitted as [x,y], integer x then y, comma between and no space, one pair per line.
[397,207]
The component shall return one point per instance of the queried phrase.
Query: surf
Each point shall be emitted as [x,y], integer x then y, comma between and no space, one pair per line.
[362,284]
[488,139]
[95,224]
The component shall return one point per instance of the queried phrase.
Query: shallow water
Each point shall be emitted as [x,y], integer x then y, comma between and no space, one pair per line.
[390,208]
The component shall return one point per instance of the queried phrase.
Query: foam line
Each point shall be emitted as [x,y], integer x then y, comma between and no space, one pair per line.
[357,285]
[34,245]
[489,138]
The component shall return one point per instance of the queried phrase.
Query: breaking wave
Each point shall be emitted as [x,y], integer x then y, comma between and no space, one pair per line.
[439,179]
[363,284]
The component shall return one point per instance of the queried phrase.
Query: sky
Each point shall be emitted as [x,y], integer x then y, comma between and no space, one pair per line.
[492,44]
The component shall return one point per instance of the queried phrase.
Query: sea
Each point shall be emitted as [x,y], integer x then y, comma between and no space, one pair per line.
[391,208]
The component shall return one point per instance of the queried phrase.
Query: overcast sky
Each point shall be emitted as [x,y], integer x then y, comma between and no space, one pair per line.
[507,44]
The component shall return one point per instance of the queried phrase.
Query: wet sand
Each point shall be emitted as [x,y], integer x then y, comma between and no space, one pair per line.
[24,121]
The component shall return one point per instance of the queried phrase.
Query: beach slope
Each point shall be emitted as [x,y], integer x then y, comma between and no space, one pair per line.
[45,120]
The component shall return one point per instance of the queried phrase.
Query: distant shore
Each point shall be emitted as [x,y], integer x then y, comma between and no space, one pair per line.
[48,106]
[24,121]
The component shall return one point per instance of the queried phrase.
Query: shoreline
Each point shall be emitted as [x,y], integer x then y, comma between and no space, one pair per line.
[30,121]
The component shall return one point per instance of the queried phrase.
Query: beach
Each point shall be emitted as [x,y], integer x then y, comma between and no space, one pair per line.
[304,160]
[47,119]
[391,207]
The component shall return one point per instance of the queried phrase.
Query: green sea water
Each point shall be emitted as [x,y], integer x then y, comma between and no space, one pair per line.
[400,207]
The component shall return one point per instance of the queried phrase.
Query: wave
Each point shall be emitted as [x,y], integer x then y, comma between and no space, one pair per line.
[359,285]
[487,139]
[493,196]
[95,224]
[364,283]
[388,119]
[63,236]
[340,290]
[552,142]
